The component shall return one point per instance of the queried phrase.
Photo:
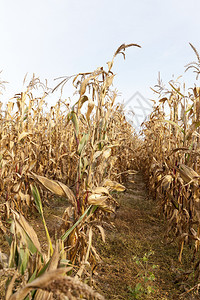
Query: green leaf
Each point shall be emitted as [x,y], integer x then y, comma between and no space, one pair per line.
[26,238]
[33,276]
[172,123]
[138,287]
[130,289]
[176,90]
[23,259]
[75,122]
[145,259]
[154,266]
[149,289]
[37,199]
[83,142]
[191,107]
[93,209]
[38,202]
[67,233]
[43,269]
[8,239]
[13,254]
[31,247]
[152,277]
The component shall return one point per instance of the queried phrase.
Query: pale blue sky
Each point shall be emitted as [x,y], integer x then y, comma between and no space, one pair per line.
[54,38]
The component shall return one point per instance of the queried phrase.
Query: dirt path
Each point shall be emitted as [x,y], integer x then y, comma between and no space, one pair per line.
[138,230]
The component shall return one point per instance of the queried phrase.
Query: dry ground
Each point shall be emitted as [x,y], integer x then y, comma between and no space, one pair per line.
[138,229]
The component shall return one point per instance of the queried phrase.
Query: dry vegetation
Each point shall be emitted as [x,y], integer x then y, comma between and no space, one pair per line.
[79,153]
[169,156]
[76,156]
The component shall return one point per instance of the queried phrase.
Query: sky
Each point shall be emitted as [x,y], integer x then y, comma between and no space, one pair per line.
[53,38]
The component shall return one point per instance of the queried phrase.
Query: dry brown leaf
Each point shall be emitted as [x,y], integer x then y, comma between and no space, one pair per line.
[100,190]
[90,108]
[102,232]
[166,182]
[28,229]
[188,174]
[39,283]
[23,135]
[97,199]
[113,185]
[55,187]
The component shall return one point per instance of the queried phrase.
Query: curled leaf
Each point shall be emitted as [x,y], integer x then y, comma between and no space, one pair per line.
[55,187]
[113,185]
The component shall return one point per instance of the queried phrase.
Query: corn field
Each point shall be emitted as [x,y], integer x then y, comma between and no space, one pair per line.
[169,156]
[81,153]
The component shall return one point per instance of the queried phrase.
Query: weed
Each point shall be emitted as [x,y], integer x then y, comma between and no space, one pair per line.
[145,277]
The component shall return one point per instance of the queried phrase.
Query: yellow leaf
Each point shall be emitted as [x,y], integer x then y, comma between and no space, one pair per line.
[100,190]
[113,185]
[90,108]
[23,135]
[55,187]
